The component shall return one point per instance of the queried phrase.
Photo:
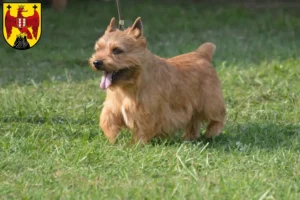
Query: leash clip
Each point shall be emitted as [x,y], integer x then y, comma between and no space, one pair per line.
[121,22]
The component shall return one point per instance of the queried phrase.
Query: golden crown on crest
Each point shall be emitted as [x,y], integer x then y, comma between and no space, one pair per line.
[21,6]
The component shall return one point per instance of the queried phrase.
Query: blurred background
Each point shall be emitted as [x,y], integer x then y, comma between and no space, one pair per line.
[262,35]
[245,32]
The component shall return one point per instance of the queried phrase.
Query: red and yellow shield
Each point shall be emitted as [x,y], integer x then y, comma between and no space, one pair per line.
[22,24]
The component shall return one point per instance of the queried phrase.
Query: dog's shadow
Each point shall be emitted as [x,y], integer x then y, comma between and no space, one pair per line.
[241,136]
[244,137]
[177,140]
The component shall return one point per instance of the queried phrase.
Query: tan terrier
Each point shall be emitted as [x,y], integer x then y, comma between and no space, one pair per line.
[154,96]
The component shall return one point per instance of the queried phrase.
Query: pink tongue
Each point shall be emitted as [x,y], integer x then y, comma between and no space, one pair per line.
[106,80]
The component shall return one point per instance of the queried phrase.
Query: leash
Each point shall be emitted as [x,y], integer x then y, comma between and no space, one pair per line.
[121,21]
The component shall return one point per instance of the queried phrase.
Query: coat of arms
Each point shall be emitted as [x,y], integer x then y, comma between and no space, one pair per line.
[22,24]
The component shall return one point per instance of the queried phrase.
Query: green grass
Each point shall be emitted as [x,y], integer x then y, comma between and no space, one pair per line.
[50,143]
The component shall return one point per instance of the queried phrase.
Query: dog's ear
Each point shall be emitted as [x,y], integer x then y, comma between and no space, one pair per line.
[112,26]
[137,27]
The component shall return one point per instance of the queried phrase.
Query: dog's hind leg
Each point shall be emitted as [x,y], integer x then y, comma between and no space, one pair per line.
[215,123]
[215,113]
[192,130]
[111,123]
[214,128]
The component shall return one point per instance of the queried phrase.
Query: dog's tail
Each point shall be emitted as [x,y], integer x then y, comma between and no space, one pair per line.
[206,50]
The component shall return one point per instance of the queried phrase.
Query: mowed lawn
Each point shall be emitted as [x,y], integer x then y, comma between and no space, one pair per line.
[52,148]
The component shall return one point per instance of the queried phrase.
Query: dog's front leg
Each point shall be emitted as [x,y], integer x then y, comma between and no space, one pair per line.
[111,122]
[142,136]
[139,138]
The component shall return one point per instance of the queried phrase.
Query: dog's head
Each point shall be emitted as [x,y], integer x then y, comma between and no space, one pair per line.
[119,54]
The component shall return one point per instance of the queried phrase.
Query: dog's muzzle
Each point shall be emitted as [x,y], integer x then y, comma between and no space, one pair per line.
[98,64]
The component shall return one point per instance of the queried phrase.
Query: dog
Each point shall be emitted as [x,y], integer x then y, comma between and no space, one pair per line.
[156,96]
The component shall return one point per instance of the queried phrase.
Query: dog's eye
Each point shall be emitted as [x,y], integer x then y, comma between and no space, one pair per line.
[117,51]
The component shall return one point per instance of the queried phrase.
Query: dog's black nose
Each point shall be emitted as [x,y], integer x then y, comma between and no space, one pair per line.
[98,64]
